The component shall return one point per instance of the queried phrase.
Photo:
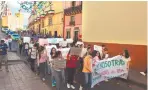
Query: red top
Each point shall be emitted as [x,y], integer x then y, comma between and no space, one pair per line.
[71,61]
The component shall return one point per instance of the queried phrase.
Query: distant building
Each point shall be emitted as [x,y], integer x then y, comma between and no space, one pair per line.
[73,19]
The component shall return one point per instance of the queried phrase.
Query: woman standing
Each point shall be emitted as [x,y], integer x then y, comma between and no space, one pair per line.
[51,57]
[87,69]
[58,66]
[42,62]
[95,56]
[71,66]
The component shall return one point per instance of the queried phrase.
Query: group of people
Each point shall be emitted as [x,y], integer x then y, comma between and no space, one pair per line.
[42,62]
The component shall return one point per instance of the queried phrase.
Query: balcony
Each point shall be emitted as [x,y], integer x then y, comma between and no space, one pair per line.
[73,10]
[72,23]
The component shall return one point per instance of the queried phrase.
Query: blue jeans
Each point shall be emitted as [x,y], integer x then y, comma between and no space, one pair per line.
[88,80]
[26,52]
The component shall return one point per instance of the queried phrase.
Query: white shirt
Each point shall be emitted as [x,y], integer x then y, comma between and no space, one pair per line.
[9,40]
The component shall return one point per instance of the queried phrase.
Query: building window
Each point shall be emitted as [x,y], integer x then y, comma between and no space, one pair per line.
[72,18]
[68,34]
[73,4]
[50,21]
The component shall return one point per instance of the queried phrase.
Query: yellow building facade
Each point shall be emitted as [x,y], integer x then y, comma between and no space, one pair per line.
[49,23]
[5,21]
[118,25]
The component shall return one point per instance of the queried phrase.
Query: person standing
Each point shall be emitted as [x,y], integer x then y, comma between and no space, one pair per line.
[26,48]
[58,65]
[10,43]
[87,69]
[3,55]
[42,62]
[51,57]
[71,66]
[20,45]
[33,56]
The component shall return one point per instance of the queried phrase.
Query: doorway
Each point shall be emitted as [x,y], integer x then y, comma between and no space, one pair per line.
[76,34]
[55,34]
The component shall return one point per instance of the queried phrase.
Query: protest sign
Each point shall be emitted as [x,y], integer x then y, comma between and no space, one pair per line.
[109,68]
[98,48]
[84,51]
[75,51]
[59,63]
[69,40]
[55,40]
[63,43]
[30,45]
[48,48]
[43,41]
[79,43]
[64,52]
[26,39]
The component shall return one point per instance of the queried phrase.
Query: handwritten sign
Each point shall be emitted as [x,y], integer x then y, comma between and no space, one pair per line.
[98,48]
[75,51]
[64,52]
[43,41]
[109,68]
[58,64]
[26,39]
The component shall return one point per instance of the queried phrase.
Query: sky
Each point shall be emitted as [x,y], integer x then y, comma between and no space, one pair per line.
[14,7]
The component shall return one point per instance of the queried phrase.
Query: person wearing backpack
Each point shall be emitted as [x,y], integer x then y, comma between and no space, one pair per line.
[3,55]
[33,56]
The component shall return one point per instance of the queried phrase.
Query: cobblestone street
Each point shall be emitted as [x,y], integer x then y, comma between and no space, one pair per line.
[20,77]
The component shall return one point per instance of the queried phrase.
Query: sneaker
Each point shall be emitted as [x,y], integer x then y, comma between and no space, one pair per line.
[143,73]
[81,88]
[72,87]
[43,79]
[68,85]
[53,84]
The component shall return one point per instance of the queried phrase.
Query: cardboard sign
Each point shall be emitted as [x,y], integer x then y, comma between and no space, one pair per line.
[43,41]
[59,63]
[26,39]
[75,51]
[64,52]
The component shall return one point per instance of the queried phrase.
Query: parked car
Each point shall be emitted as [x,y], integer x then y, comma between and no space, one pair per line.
[11,32]
[15,37]
[7,31]
[4,29]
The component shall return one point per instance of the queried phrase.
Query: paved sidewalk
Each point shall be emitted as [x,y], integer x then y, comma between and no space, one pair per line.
[20,77]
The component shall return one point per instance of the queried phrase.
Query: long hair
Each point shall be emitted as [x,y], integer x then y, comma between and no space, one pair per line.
[94,53]
[126,53]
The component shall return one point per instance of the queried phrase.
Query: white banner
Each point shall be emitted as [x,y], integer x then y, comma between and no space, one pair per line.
[26,39]
[55,40]
[109,68]
[64,52]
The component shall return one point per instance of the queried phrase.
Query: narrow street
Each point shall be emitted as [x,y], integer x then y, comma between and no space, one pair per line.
[20,77]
